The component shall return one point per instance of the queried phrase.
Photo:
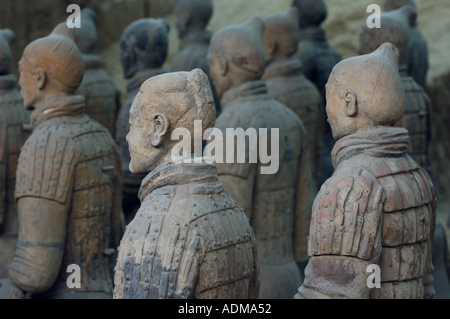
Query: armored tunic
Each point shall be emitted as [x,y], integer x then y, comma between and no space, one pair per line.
[277,204]
[101,93]
[416,120]
[12,136]
[189,240]
[288,85]
[377,209]
[131,182]
[69,193]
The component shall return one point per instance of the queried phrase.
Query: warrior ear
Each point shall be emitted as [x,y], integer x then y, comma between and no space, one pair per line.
[41,79]
[351,107]
[158,129]
[223,66]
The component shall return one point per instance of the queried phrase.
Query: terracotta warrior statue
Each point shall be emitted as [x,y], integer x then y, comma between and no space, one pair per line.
[12,136]
[101,93]
[192,17]
[416,120]
[144,47]
[189,239]
[394,29]
[68,187]
[318,58]
[373,221]
[276,198]
[417,58]
[287,84]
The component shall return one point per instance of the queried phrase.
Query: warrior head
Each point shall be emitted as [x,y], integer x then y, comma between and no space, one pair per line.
[165,103]
[394,29]
[86,37]
[365,92]
[281,35]
[312,13]
[50,66]
[193,15]
[144,46]
[236,54]
[7,37]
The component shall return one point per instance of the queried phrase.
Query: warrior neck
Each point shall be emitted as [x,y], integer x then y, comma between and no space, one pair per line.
[403,69]
[316,34]
[381,142]
[57,106]
[139,78]
[243,90]
[196,36]
[178,174]
[91,61]
[282,67]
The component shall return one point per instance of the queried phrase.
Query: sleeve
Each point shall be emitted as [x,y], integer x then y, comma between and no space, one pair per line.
[345,236]
[159,258]
[44,187]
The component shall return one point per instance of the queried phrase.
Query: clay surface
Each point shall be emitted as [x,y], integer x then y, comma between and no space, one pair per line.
[68,187]
[276,204]
[189,239]
[287,84]
[13,117]
[380,205]
[101,93]
[144,46]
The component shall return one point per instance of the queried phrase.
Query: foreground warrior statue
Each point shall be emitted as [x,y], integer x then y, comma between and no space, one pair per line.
[417,115]
[192,18]
[288,85]
[68,181]
[417,58]
[144,47]
[12,136]
[318,58]
[394,29]
[189,239]
[101,93]
[379,206]
[276,203]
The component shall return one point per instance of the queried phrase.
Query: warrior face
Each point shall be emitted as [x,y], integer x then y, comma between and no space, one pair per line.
[146,136]
[30,82]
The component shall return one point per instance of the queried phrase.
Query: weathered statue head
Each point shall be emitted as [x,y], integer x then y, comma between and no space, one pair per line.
[50,66]
[144,45]
[281,35]
[236,54]
[394,29]
[365,92]
[193,14]
[86,37]
[7,37]
[165,103]
[312,12]
[395,4]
